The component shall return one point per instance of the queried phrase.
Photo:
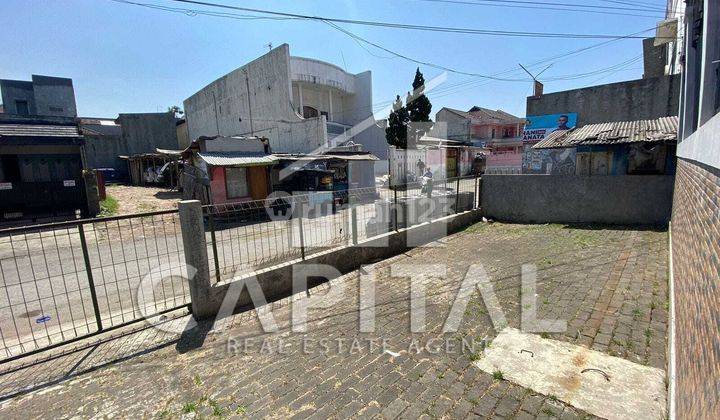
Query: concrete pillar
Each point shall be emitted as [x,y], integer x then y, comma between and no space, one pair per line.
[330,113]
[92,192]
[193,235]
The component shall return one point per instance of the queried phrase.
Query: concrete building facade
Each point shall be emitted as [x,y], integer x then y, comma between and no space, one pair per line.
[656,95]
[479,125]
[128,135]
[43,96]
[302,105]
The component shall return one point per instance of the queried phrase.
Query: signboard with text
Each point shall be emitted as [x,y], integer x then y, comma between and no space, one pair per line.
[547,161]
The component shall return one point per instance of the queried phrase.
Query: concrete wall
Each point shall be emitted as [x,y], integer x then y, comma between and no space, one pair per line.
[458,127]
[143,133]
[625,101]
[45,95]
[102,151]
[654,59]
[630,199]
[224,107]
[54,96]
[17,90]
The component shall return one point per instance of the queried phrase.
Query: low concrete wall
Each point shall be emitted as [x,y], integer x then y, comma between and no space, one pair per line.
[628,199]
[277,282]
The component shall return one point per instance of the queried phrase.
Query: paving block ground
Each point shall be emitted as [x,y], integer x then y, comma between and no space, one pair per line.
[608,283]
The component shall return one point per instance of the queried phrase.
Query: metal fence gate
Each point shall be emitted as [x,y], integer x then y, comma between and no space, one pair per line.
[60,282]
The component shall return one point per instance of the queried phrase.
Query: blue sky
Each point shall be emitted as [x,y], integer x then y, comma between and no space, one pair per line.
[125,58]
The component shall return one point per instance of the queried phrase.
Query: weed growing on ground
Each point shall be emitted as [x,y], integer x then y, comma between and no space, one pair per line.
[498,375]
[189,408]
[109,206]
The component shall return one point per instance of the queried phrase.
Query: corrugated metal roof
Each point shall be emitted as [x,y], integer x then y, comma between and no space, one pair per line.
[660,129]
[33,130]
[235,159]
[289,156]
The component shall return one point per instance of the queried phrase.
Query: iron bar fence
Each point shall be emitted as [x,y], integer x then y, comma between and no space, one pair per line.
[248,236]
[61,282]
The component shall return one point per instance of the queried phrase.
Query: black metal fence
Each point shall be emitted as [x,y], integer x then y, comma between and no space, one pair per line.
[60,282]
[253,235]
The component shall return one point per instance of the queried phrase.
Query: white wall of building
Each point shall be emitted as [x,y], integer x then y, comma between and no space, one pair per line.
[279,85]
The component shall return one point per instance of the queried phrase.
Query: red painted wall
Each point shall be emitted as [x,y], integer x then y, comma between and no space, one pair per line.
[217,187]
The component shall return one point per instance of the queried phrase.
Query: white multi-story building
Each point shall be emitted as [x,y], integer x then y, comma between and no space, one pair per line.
[302,105]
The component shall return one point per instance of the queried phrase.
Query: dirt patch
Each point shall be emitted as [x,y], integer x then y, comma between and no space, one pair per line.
[135,199]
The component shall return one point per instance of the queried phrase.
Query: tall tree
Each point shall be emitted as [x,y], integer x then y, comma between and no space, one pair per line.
[419,107]
[396,131]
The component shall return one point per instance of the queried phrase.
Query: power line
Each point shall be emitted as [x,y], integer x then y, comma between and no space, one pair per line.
[540,6]
[406,26]
[447,89]
[424,63]
[635,3]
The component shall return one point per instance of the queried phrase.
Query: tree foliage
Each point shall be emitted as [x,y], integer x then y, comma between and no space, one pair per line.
[417,109]
[420,107]
[396,131]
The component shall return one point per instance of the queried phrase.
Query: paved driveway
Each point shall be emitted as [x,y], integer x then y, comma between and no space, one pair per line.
[609,284]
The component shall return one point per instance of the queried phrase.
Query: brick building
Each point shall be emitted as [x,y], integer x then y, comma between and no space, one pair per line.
[695,333]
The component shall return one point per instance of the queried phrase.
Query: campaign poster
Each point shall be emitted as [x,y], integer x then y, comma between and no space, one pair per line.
[537,127]
[547,161]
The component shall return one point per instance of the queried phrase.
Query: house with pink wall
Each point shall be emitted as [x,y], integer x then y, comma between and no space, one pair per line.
[497,130]
[221,170]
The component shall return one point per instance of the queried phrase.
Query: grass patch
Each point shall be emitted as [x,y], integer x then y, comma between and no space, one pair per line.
[109,206]
[189,408]
[498,375]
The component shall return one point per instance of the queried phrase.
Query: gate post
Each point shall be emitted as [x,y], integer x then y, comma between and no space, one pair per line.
[196,256]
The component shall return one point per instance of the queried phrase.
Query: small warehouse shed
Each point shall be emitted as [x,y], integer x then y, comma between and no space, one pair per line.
[161,167]
[221,170]
[643,147]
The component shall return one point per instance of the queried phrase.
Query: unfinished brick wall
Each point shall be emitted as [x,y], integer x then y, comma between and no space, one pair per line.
[696,260]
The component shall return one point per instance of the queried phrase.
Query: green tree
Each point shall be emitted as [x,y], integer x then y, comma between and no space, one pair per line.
[396,131]
[419,106]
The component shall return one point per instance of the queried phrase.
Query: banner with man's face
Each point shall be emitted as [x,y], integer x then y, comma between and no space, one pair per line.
[547,161]
[537,127]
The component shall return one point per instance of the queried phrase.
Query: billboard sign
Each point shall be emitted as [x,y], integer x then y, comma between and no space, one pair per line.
[547,161]
[538,127]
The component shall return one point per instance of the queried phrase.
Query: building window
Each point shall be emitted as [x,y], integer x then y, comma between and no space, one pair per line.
[236,182]
[21,107]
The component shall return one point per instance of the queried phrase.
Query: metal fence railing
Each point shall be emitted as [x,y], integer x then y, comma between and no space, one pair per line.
[60,282]
[252,235]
